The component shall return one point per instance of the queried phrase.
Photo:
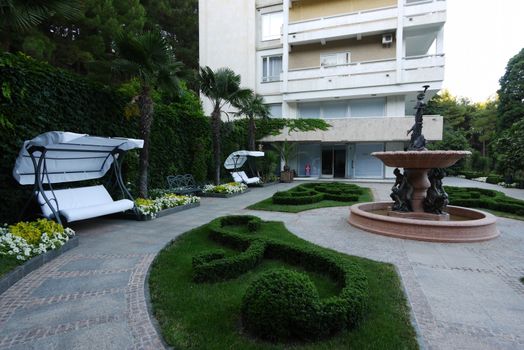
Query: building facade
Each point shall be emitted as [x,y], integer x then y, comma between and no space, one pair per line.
[359,64]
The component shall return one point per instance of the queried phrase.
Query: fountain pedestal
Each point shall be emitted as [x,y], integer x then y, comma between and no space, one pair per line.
[418,179]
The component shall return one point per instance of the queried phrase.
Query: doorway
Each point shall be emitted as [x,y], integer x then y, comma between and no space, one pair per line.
[334,161]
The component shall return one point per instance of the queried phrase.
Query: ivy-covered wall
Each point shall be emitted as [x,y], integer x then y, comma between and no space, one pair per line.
[36,97]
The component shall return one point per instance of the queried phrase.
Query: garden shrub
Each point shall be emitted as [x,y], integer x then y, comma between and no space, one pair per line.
[281,305]
[484,199]
[494,179]
[315,192]
[334,314]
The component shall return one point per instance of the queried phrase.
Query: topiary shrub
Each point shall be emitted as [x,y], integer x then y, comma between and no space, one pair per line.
[281,305]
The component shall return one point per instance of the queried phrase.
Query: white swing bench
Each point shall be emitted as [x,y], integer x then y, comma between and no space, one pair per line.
[61,157]
[236,160]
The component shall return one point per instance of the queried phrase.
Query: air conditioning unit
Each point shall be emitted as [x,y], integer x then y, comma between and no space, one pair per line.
[387,40]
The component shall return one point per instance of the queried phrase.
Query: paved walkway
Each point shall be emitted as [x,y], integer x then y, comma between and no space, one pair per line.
[463,296]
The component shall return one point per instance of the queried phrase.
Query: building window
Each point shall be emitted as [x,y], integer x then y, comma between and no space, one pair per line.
[357,108]
[271,68]
[309,110]
[275,110]
[272,25]
[335,59]
[369,107]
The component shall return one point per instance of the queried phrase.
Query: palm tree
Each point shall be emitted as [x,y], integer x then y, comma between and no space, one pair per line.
[252,107]
[22,15]
[149,58]
[221,87]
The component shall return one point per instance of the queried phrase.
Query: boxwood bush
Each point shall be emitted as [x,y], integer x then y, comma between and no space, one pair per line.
[316,192]
[281,305]
[333,314]
[484,199]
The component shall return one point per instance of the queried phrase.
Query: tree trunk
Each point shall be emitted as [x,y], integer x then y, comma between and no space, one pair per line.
[251,134]
[215,124]
[145,104]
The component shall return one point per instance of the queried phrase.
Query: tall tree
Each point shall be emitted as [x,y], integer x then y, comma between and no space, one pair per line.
[511,93]
[221,87]
[178,20]
[149,58]
[253,108]
[23,15]
[484,124]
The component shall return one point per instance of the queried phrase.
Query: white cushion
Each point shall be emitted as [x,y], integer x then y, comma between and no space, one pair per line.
[248,180]
[96,210]
[237,177]
[82,203]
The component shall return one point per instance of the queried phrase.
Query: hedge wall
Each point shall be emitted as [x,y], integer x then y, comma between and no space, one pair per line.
[36,97]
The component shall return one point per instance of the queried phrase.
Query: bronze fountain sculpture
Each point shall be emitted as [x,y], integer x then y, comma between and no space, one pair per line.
[420,207]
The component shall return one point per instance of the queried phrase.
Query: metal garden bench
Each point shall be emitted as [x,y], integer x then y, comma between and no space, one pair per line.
[183,184]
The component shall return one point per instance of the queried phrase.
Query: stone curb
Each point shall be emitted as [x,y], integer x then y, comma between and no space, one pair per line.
[223,195]
[169,211]
[34,263]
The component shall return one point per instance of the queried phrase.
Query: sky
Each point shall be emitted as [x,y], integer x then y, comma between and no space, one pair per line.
[479,39]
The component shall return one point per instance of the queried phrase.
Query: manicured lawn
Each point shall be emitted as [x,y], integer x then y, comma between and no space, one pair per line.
[207,315]
[7,263]
[267,204]
[495,202]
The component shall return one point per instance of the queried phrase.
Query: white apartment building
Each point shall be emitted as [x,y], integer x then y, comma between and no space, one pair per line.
[356,63]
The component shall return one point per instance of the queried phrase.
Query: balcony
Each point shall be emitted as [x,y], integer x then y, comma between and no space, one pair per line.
[365,130]
[416,13]
[416,69]
[424,13]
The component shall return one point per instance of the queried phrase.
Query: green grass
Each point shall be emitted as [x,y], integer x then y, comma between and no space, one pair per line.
[267,204]
[8,263]
[207,316]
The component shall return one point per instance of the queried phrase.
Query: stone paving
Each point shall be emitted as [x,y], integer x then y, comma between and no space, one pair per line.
[463,296]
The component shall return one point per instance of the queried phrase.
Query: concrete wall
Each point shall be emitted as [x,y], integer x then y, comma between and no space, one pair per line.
[365,130]
[228,38]
[367,49]
[308,9]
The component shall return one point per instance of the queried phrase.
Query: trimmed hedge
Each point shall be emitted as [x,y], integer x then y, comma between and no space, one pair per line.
[484,199]
[494,179]
[317,192]
[334,314]
[281,305]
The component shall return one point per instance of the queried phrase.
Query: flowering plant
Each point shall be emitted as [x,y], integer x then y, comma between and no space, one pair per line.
[27,239]
[150,207]
[229,188]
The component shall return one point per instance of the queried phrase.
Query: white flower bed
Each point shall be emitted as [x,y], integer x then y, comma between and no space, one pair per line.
[13,245]
[150,207]
[229,188]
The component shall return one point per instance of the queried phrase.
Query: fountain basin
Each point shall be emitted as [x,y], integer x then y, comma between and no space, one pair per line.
[420,159]
[473,226]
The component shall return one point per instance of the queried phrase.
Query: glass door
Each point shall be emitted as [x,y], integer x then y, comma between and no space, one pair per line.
[327,162]
[334,161]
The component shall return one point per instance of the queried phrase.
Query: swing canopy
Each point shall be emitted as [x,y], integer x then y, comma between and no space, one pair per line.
[62,157]
[237,159]
[68,157]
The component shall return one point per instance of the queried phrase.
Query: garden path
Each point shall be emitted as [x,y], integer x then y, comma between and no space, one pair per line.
[463,296]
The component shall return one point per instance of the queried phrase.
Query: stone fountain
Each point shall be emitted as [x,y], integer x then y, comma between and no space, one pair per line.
[420,207]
